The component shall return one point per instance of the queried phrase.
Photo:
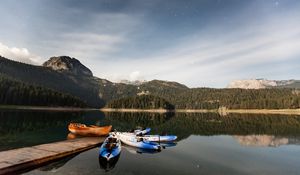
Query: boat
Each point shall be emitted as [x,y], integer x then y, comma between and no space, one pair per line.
[135,141]
[159,138]
[142,131]
[152,138]
[83,130]
[111,148]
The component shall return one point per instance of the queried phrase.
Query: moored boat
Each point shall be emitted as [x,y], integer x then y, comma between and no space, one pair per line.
[142,131]
[152,138]
[159,138]
[135,141]
[82,129]
[111,148]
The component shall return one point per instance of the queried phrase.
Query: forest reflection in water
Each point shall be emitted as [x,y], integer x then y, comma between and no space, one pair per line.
[20,128]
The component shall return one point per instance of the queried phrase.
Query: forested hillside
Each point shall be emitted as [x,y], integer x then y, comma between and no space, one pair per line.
[209,98]
[141,102]
[13,92]
[68,75]
[84,87]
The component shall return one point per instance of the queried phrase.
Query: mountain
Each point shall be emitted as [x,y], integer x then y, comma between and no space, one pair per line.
[74,80]
[68,64]
[109,91]
[67,75]
[263,83]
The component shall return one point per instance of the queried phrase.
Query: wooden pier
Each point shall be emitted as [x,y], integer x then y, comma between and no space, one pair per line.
[22,159]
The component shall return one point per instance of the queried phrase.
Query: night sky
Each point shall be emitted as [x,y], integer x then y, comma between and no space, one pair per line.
[199,43]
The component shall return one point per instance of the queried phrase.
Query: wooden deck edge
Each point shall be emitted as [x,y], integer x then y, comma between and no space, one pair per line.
[30,165]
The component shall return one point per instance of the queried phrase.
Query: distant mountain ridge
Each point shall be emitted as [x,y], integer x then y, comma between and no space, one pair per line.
[136,82]
[71,77]
[263,83]
[68,75]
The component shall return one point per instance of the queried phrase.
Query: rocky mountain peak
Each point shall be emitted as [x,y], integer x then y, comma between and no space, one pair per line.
[68,64]
[261,83]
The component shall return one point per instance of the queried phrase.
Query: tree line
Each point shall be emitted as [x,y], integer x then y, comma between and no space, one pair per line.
[210,98]
[141,102]
[14,92]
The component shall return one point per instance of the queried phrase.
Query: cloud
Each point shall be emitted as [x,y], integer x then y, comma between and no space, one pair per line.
[19,54]
[131,76]
[136,75]
[122,43]
[86,44]
[248,51]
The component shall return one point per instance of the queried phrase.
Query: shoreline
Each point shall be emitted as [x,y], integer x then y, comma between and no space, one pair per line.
[221,112]
[264,111]
[46,108]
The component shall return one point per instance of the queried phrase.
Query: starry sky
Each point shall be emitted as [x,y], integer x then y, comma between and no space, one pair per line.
[200,43]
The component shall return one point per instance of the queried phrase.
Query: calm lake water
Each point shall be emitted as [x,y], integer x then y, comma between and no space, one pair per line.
[207,142]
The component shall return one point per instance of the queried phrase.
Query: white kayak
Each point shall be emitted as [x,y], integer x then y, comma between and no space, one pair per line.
[159,138]
[151,138]
[111,147]
[135,141]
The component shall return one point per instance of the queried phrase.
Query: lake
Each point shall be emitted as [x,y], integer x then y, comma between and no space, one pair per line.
[207,142]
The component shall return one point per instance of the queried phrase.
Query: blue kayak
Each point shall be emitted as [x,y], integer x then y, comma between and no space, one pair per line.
[110,148]
[142,131]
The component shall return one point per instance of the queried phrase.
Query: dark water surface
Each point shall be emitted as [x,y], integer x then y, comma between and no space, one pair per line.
[207,142]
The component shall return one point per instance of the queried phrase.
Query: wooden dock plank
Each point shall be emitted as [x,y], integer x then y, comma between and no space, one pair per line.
[17,160]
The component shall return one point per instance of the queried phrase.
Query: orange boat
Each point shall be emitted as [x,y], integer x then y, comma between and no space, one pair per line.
[82,129]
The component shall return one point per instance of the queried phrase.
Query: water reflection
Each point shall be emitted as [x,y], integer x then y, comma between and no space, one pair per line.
[108,165]
[53,167]
[134,150]
[207,142]
[20,128]
[266,140]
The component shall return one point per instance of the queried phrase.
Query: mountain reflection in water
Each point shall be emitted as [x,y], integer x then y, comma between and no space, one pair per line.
[207,142]
[266,140]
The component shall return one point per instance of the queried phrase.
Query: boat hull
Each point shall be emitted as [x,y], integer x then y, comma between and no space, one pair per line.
[132,140]
[89,131]
[109,153]
[158,138]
